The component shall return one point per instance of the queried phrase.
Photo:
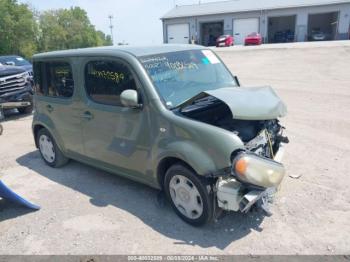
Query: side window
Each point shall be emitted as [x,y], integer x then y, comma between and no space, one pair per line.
[59,79]
[106,80]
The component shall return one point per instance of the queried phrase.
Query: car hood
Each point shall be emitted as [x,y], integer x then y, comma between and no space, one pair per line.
[28,68]
[255,103]
[10,70]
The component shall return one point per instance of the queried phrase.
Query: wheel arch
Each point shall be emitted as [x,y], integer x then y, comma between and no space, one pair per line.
[38,126]
[165,164]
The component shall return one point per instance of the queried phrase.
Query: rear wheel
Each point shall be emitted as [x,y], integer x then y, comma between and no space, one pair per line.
[188,195]
[49,150]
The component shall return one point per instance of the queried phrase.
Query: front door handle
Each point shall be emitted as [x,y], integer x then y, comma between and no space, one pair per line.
[49,108]
[87,115]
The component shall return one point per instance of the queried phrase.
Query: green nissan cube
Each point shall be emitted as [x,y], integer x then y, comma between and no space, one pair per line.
[170,116]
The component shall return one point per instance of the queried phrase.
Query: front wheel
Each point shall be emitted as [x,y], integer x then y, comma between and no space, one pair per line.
[188,195]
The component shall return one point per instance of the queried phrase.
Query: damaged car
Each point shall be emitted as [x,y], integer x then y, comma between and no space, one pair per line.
[171,116]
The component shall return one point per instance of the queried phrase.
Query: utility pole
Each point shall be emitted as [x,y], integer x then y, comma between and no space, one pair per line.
[111,27]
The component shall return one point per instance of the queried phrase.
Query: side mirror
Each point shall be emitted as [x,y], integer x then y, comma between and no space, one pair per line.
[130,98]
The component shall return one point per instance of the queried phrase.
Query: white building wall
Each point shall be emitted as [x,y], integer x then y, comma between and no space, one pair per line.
[301,20]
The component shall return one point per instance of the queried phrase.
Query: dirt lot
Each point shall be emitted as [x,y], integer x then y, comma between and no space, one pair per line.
[85,210]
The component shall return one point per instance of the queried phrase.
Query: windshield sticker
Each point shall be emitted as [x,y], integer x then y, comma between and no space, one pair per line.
[205,61]
[19,59]
[211,57]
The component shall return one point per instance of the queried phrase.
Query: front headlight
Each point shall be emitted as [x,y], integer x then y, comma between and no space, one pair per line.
[258,171]
[26,76]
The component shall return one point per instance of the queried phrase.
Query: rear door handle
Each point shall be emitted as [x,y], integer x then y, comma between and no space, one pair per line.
[49,108]
[87,115]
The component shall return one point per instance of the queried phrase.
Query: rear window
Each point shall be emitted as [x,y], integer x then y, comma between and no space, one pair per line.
[53,79]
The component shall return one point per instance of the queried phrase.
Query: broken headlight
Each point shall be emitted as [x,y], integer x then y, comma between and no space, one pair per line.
[257,170]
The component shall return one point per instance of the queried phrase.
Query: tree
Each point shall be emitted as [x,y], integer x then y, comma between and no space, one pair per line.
[105,40]
[23,31]
[18,29]
[67,29]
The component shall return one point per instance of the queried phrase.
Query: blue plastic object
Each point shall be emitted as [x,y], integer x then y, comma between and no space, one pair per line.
[8,194]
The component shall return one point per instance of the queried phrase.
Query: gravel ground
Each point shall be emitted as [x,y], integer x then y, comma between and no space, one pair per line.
[85,210]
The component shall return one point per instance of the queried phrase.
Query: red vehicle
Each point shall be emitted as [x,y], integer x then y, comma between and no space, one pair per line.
[224,40]
[253,39]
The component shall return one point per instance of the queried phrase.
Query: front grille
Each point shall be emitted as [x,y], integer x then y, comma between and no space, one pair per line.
[12,83]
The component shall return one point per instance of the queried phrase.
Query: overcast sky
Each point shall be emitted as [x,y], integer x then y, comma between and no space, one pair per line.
[135,21]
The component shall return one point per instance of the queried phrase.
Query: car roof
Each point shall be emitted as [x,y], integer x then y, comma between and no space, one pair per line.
[137,51]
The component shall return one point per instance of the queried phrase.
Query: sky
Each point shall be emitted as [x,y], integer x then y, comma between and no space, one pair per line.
[135,22]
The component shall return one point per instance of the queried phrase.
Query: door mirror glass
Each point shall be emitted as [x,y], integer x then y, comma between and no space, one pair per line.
[130,98]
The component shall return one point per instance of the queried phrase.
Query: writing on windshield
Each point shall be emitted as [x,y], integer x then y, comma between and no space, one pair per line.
[178,76]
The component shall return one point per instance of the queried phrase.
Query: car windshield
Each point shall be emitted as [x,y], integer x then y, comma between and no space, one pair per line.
[179,76]
[15,60]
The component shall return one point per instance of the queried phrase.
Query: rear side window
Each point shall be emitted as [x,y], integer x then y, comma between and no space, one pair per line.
[38,83]
[54,79]
[106,80]
[60,81]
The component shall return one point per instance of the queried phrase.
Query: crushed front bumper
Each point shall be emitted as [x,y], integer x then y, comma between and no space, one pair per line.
[234,195]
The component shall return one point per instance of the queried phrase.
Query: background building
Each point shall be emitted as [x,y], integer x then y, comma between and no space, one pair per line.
[276,20]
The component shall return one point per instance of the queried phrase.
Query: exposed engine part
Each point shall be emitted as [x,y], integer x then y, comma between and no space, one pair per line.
[228,194]
[262,137]
[233,196]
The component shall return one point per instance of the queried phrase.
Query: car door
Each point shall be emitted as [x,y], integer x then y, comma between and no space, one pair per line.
[56,105]
[114,135]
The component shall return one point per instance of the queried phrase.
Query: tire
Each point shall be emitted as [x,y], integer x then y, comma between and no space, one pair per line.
[25,110]
[188,195]
[49,150]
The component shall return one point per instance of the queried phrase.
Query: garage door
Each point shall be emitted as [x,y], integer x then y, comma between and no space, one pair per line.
[178,34]
[243,27]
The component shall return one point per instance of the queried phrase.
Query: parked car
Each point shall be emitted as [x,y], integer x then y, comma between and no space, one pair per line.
[16,89]
[253,39]
[15,60]
[284,36]
[2,116]
[224,40]
[317,35]
[170,116]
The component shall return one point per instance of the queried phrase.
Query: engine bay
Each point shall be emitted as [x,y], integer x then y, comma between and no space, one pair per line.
[262,137]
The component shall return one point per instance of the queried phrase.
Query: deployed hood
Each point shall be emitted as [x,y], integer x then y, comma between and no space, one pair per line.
[257,103]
